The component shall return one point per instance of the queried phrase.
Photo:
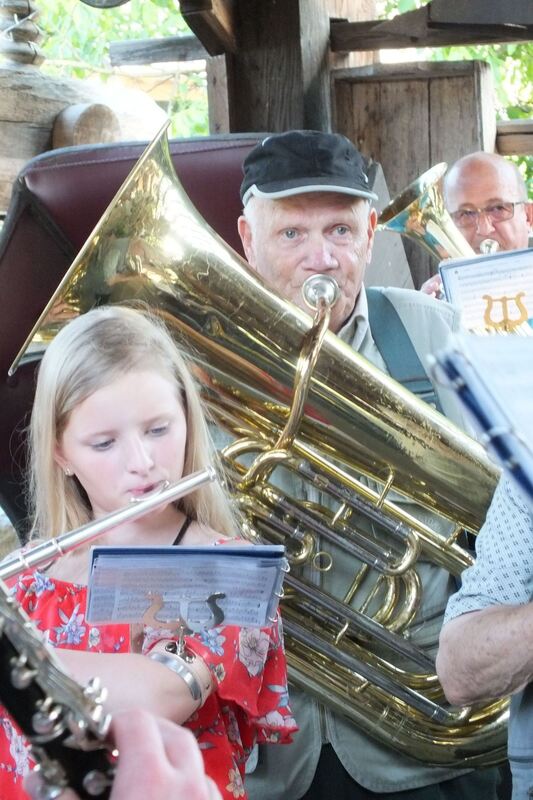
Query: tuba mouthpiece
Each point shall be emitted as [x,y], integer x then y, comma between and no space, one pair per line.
[318,287]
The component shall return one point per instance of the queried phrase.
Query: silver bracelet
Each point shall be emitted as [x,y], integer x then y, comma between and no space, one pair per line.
[178,666]
[183,668]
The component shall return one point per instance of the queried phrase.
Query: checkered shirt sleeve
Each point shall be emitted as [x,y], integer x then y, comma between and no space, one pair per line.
[503,571]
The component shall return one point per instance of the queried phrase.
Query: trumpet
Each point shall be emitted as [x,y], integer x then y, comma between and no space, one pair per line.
[419,212]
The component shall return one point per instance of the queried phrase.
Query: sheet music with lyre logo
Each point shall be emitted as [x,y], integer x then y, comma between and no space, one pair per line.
[494,292]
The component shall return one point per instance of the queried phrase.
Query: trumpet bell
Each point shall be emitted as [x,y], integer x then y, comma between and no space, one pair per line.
[419,212]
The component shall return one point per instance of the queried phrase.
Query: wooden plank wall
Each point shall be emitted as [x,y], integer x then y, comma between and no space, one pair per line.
[412,116]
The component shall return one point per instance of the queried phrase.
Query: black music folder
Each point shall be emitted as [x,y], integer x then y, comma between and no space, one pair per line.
[492,376]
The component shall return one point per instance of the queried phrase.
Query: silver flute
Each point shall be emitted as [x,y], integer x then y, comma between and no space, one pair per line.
[54,548]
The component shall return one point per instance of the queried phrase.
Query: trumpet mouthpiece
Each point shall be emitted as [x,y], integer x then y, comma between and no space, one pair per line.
[489,246]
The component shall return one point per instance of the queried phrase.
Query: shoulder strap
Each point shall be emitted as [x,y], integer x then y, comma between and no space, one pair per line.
[182,531]
[396,348]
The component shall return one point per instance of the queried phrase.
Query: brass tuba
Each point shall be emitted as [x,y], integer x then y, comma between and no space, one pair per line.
[351,433]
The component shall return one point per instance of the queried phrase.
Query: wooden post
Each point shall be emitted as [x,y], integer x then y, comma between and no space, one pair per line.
[278,77]
[217,94]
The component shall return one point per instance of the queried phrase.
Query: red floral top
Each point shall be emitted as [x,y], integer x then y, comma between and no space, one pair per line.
[250,703]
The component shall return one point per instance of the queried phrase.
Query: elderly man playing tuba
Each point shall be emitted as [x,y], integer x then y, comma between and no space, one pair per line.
[308,211]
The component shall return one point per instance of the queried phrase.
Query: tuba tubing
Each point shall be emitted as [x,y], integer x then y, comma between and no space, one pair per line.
[247,342]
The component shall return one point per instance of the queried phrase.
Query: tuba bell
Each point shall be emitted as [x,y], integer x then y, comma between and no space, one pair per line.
[300,400]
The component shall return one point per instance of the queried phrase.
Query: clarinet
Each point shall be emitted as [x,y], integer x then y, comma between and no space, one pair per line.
[64,723]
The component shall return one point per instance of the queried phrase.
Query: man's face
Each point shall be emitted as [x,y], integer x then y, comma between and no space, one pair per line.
[290,239]
[484,184]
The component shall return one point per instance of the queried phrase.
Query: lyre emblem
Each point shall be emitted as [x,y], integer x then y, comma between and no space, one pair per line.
[506,323]
[214,618]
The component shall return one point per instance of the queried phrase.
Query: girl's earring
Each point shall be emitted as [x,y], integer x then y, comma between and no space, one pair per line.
[68,472]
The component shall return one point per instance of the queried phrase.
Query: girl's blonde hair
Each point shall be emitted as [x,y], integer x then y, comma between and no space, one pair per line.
[89,353]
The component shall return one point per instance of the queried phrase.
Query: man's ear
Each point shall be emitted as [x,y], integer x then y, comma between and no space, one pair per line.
[245,232]
[371,232]
[529,213]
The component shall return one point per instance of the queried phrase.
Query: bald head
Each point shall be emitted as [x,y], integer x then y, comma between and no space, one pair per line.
[480,180]
[488,167]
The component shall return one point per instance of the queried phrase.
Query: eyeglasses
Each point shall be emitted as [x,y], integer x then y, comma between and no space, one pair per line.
[498,212]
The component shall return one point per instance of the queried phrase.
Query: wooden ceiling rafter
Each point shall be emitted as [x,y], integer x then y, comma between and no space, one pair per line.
[440,23]
[213,22]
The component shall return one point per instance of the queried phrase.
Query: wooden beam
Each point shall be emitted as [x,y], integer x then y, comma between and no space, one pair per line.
[213,22]
[22,8]
[486,12]
[156,51]
[416,29]
[411,71]
[278,78]
[21,52]
[314,39]
[24,30]
[217,95]
[515,137]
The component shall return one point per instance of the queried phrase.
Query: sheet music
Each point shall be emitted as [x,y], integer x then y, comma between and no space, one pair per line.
[488,288]
[493,379]
[122,578]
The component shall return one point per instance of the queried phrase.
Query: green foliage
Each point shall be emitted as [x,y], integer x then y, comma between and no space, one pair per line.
[77,45]
[82,33]
[512,69]
[188,109]
[404,5]
[391,8]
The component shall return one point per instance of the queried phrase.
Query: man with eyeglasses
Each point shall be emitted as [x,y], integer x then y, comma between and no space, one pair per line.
[486,197]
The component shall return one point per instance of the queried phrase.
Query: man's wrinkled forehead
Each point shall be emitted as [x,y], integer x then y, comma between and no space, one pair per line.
[312,203]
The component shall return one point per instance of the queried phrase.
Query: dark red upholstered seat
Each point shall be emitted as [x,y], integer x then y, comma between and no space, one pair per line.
[57,200]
